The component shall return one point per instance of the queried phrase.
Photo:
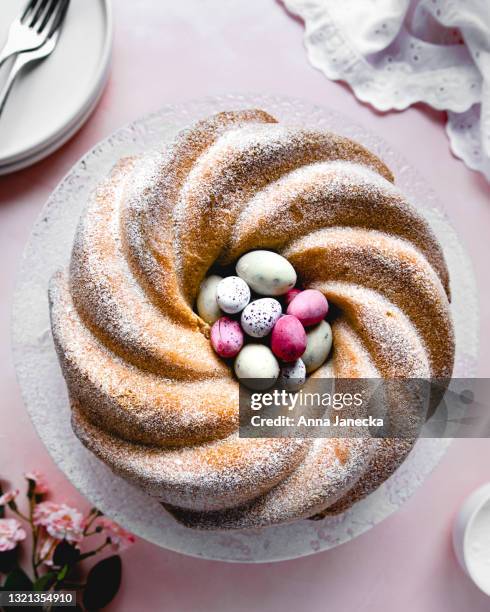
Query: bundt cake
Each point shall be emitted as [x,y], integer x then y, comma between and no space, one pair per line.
[151,398]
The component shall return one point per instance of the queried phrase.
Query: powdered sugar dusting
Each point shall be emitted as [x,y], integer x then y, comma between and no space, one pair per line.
[134,353]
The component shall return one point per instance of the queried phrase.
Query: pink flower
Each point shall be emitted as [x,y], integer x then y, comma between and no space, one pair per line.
[43,511]
[61,521]
[41,487]
[119,537]
[8,496]
[11,532]
[47,548]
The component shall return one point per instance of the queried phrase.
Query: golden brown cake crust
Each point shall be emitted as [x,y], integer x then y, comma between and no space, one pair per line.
[151,398]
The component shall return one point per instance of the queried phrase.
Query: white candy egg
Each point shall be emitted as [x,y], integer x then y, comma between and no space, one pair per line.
[260,316]
[266,272]
[232,294]
[207,306]
[318,345]
[256,367]
[293,375]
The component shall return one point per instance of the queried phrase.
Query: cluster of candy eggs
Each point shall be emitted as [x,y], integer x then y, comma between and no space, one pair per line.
[300,338]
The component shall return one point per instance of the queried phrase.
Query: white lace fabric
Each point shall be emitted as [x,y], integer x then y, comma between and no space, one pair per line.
[394,53]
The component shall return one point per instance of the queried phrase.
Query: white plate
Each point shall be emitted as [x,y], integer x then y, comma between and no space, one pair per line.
[43,386]
[50,101]
[56,144]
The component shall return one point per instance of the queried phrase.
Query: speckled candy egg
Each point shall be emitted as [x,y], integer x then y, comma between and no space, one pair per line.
[288,340]
[293,375]
[232,294]
[260,316]
[207,305]
[256,367]
[318,345]
[226,337]
[266,272]
[309,306]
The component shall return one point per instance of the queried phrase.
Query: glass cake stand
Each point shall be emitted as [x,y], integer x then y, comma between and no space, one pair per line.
[44,390]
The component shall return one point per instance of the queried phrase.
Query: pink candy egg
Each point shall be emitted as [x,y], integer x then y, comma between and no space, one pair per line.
[291,294]
[309,306]
[226,337]
[288,341]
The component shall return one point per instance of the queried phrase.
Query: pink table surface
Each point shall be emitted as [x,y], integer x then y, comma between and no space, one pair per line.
[167,52]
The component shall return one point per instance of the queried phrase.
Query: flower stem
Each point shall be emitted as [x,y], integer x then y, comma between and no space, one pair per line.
[91,533]
[94,514]
[19,514]
[34,531]
[95,551]
[48,554]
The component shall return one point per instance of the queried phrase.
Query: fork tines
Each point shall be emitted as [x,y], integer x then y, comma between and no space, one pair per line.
[40,13]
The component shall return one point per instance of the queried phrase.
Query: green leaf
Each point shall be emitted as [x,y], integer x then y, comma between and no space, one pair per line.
[103,583]
[45,582]
[63,572]
[65,554]
[8,560]
[18,580]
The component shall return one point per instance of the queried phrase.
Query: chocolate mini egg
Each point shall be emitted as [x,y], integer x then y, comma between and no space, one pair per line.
[226,337]
[260,316]
[293,375]
[207,305]
[309,306]
[318,345]
[288,341]
[232,294]
[266,272]
[256,367]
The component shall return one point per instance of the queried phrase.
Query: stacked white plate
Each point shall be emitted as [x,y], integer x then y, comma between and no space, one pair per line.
[51,100]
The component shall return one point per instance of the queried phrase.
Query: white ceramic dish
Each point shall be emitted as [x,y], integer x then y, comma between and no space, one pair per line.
[44,390]
[52,100]
[462,535]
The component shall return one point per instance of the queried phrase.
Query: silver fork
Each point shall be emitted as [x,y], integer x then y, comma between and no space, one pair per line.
[26,32]
[49,27]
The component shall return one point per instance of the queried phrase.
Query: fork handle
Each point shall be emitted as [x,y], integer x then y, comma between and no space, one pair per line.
[5,53]
[14,71]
